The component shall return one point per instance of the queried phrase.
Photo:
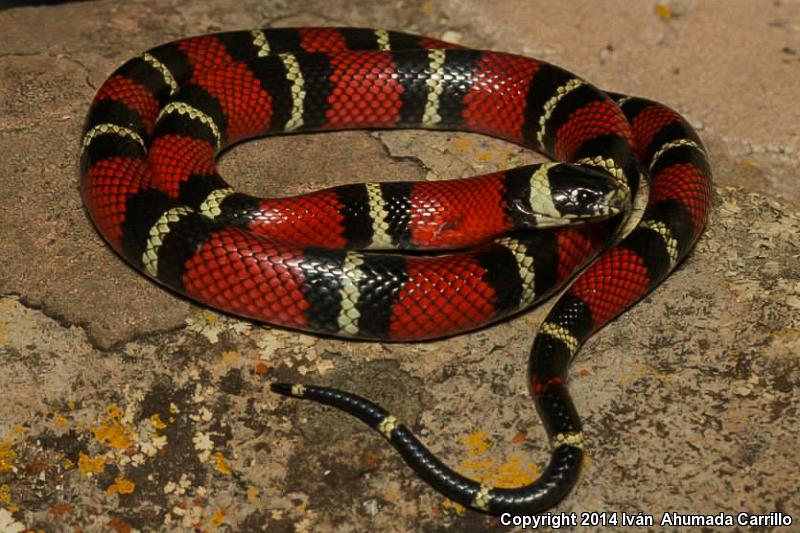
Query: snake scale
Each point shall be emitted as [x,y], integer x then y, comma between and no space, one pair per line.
[150,185]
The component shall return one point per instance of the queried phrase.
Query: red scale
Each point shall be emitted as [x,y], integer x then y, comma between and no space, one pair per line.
[137,97]
[246,105]
[499,112]
[173,158]
[616,281]
[367,75]
[587,123]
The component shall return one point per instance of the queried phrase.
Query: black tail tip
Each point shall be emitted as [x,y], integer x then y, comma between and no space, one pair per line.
[282,388]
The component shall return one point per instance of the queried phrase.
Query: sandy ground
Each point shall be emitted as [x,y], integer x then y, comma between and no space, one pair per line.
[125,408]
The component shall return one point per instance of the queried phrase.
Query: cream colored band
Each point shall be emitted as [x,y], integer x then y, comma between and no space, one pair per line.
[572,439]
[298,90]
[169,79]
[435,82]
[110,129]
[182,108]
[561,333]
[551,104]
[349,294]
[260,42]
[378,215]
[158,232]
[525,267]
[212,205]
[387,425]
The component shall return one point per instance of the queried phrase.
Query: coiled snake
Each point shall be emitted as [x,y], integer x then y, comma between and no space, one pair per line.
[150,186]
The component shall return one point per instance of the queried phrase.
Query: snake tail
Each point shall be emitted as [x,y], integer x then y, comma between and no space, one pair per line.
[551,487]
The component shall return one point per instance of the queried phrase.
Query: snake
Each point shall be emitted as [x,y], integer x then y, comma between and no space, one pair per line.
[398,261]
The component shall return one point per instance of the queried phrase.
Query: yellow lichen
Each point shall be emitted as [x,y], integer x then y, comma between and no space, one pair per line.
[157,422]
[477,443]
[462,145]
[252,495]
[5,498]
[210,318]
[663,11]
[113,432]
[514,473]
[476,465]
[88,466]
[454,507]
[7,456]
[221,465]
[428,10]
[121,485]
[218,517]
[511,473]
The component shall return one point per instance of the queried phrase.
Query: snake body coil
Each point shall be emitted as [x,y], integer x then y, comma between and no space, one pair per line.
[151,187]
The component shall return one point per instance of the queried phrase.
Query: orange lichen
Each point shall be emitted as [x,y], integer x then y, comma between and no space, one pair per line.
[221,465]
[476,465]
[477,443]
[663,11]
[512,473]
[519,438]
[113,432]
[453,507]
[121,485]
[88,466]
[157,422]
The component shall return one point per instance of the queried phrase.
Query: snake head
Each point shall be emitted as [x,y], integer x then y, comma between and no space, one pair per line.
[572,194]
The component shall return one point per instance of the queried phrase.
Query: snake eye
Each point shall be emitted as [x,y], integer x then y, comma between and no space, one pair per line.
[583,197]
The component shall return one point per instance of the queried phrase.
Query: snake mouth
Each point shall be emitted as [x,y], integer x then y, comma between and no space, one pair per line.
[615,202]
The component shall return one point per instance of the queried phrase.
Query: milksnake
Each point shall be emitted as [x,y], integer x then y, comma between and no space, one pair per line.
[150,186]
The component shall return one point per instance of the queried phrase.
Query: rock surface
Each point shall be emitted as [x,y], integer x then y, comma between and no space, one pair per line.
[126,408]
